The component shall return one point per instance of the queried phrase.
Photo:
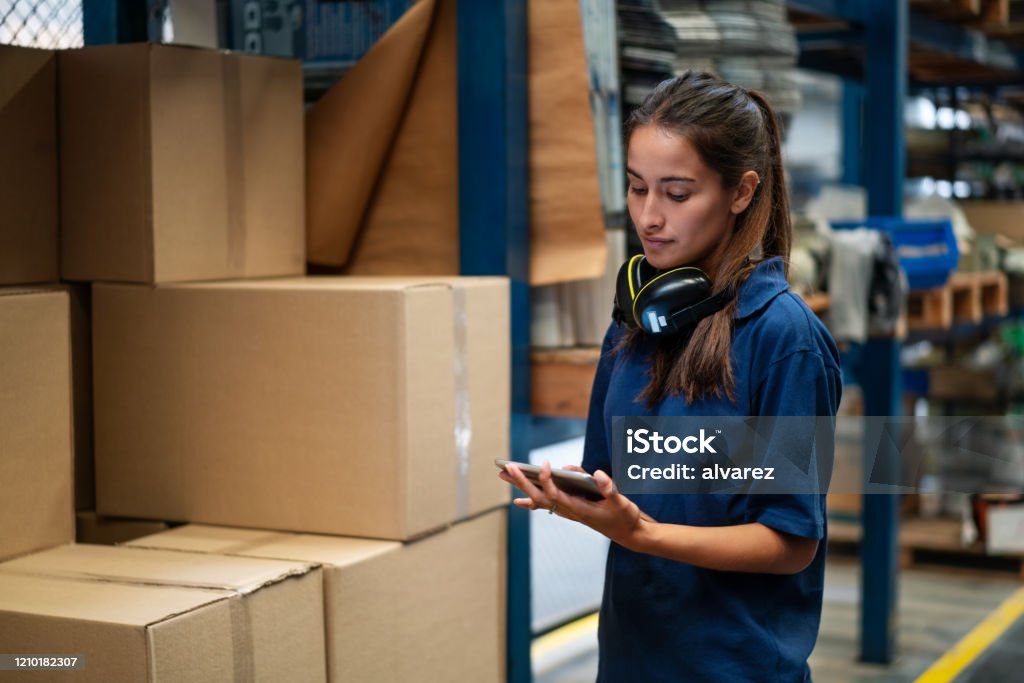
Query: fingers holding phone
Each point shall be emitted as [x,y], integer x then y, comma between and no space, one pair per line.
[599,506]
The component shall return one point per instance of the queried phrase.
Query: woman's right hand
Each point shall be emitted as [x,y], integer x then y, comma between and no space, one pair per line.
[615,516]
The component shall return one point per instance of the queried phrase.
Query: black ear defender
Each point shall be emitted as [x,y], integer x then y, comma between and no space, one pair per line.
[665,303]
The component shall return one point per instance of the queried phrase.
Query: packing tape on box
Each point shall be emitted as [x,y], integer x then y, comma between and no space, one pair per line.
[234,165]
[463,418]
[241,639]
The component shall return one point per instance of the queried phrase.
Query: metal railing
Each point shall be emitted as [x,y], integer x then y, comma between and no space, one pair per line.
[47,24]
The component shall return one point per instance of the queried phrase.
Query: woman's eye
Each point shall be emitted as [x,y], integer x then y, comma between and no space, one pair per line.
[638,190]
[677,197]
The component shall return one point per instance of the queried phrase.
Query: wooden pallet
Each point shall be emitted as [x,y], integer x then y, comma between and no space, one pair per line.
[966,298]
[930,544]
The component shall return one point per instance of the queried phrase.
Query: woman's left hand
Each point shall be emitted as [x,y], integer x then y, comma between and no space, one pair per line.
[616,516]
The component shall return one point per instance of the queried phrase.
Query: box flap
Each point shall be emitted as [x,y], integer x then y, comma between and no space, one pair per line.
[99,601]
[339,551]
[157,567]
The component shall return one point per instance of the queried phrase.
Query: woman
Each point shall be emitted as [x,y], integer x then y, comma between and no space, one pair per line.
[709,587]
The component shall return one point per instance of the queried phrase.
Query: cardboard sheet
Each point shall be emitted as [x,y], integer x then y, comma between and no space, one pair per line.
[567,239]
[382,194]
[349,134]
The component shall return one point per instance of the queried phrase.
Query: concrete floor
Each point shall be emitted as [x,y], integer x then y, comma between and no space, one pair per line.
[937,609]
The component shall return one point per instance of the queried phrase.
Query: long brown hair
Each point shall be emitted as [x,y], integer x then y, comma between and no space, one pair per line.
[734,131]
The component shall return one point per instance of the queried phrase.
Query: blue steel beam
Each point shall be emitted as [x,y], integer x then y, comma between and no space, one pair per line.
[886,26]
[115,21]
[852,131]
[494,235]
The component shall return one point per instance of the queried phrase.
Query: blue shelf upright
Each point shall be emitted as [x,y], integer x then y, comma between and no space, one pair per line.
[117,21]
[494,235]
[886,26]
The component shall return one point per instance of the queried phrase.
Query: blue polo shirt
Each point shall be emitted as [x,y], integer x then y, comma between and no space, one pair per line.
[663,620]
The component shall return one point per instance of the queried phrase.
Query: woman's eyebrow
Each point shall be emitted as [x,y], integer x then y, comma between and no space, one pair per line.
[666,179]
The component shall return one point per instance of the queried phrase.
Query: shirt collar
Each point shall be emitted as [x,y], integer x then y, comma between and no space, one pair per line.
[765,282]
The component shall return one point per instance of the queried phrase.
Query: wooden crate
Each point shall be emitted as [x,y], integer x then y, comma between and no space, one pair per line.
[965,298]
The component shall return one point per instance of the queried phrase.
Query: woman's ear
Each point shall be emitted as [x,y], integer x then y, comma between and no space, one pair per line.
[745,192]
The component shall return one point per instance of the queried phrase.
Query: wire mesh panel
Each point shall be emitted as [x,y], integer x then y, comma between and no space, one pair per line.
[47,24]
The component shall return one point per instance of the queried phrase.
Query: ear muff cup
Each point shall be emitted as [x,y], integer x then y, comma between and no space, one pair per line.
[651,300]
[670,292]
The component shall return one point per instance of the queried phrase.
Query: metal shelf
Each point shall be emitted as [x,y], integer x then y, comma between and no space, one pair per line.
[831,34]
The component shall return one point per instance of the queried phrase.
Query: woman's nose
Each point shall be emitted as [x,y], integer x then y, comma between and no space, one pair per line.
[651,218]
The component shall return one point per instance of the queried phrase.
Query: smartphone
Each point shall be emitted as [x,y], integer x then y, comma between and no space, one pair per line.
[573,483]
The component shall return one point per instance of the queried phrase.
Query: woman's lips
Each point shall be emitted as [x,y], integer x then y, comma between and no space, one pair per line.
[655,243]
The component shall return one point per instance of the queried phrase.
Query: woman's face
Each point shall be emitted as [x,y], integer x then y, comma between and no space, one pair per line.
[682,213]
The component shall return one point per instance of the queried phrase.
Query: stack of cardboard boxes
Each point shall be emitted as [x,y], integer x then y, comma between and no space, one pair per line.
[342,429]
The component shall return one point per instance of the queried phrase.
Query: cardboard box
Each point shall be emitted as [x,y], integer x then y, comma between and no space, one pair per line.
[150,615]
[28,166]
[324,405]
[482,367]
[180,164]
[91,528]
[36,509]
[996,218]
[447,625]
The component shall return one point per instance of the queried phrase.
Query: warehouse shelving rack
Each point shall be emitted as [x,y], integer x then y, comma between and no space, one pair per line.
[868,43]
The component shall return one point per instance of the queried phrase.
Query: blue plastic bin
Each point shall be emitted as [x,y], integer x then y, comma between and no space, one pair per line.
[926,247]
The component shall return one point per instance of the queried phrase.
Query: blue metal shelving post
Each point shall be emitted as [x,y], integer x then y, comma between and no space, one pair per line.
[494,234]
[852,131]
[886,25]
[115,21]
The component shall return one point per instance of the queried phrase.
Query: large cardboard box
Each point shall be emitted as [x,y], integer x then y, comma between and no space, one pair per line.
[180,164]
[324,405]
[28,166]
[36,509]
[431,610]
[150,615]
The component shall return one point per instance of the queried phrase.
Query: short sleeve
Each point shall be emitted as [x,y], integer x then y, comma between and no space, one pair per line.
[596,454]
[800,384]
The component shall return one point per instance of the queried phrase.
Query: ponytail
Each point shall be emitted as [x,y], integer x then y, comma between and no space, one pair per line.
[778,232]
